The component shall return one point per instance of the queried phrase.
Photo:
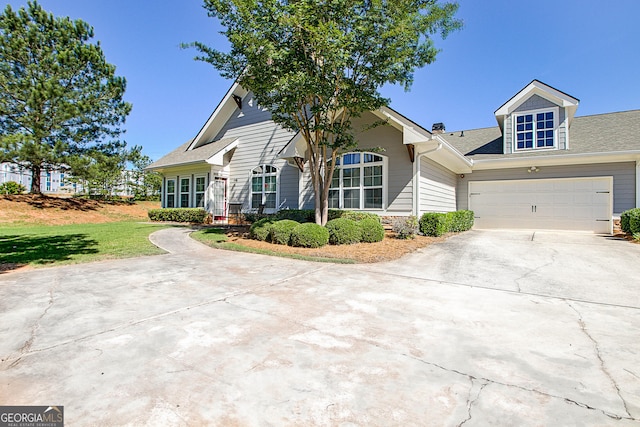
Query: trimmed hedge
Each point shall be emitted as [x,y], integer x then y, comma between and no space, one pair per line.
[193,215]
[299,215]
[261,229]
[309,235]
[630,221]
[436,224]
[372,230]
[280,231]
[344,231]
[358,216]
[460,221]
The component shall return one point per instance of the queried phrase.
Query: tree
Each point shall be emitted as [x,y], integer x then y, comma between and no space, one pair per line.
[146,185]
[59,97]
[318,64]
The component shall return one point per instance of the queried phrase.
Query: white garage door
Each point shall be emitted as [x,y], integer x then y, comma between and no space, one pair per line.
[551,204]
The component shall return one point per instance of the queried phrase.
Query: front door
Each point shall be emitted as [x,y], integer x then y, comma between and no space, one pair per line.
[219,198]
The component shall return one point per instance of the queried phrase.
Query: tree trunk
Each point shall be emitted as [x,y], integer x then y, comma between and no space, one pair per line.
[35,179]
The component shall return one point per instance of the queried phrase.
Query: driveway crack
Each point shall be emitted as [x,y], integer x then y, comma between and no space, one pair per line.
[554,253]
[470,401]
[26,347]
[596,348]
[483,381]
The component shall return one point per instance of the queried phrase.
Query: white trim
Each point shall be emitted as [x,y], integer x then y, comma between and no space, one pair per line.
[608,178]
[195,190]
[384,163]
[218,158]
[180,192]
[251,193]
[165,191]
[533,113]
[557,160]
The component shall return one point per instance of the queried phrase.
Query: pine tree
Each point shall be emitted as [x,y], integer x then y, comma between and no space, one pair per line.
[59,97]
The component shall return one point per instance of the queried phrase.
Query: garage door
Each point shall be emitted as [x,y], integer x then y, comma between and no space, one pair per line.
[584,204]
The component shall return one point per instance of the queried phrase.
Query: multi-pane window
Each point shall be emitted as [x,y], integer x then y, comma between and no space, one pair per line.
[357,182]
[201,186]
[535,130]
[185,184]
[264,187]
[171,193]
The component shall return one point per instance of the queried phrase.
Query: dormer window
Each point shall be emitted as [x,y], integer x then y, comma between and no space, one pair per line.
[536,129]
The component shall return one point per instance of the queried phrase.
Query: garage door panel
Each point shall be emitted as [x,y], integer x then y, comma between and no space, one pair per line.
[566,204]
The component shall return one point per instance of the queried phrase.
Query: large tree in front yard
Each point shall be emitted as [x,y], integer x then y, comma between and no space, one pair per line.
[318,64]
[59,97]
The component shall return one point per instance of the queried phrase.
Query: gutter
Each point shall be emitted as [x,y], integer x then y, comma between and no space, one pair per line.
[416,177]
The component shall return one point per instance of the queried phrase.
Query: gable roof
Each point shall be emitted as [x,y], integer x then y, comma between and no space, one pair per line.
[183,155]
[536,87]
[598,134]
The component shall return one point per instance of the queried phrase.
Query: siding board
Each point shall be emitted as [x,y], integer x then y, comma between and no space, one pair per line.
[437,187]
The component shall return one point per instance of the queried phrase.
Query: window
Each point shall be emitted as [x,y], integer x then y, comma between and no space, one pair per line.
[264,187]
[185,184]
[171,193]
[201,185]
[535,130]
[357,182]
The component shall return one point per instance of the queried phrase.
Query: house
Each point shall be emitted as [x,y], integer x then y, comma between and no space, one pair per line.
[541,167]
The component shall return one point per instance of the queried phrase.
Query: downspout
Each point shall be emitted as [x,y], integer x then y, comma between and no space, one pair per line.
[416,184]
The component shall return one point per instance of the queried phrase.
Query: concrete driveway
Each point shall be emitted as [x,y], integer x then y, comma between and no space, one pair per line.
[487,328]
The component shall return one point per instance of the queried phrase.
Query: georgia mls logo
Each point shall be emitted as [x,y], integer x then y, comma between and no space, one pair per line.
[31,416]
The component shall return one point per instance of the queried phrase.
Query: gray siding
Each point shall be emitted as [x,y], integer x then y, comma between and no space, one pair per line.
[624,181]
[437,187]
[535,103]
[260,140]
[399,166]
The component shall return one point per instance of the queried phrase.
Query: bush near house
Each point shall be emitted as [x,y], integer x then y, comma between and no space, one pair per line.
[406,228]
[309,235]
[261,229]
[357,216]
[372,230]
[192,215]
[436,224]
[280,231]
[12,187]
[460,221]
[344,231]
[630,221]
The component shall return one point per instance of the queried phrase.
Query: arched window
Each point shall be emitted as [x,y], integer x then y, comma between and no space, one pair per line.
[358,182]
[264,187]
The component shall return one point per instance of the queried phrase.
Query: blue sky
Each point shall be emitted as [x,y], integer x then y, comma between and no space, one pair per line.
[586,48]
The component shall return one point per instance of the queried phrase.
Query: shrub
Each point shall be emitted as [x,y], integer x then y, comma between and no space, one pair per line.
[12,187]
[630,221]
[254,216]
[372,230]
[343,231]
[406,227]
[299,215]
[193,215]
[309,235]
[434,224]
[359,216]
[261,229]
[280,231]
[460,221]
[634,221]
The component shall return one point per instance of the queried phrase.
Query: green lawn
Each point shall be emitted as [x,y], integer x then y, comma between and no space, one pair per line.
[38,245]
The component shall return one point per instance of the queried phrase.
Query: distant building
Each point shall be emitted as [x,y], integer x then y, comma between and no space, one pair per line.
[58,182]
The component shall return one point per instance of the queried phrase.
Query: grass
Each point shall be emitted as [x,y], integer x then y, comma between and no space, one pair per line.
[38,245]
[216,238]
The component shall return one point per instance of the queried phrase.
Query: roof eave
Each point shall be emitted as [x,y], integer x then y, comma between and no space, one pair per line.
[557,160]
